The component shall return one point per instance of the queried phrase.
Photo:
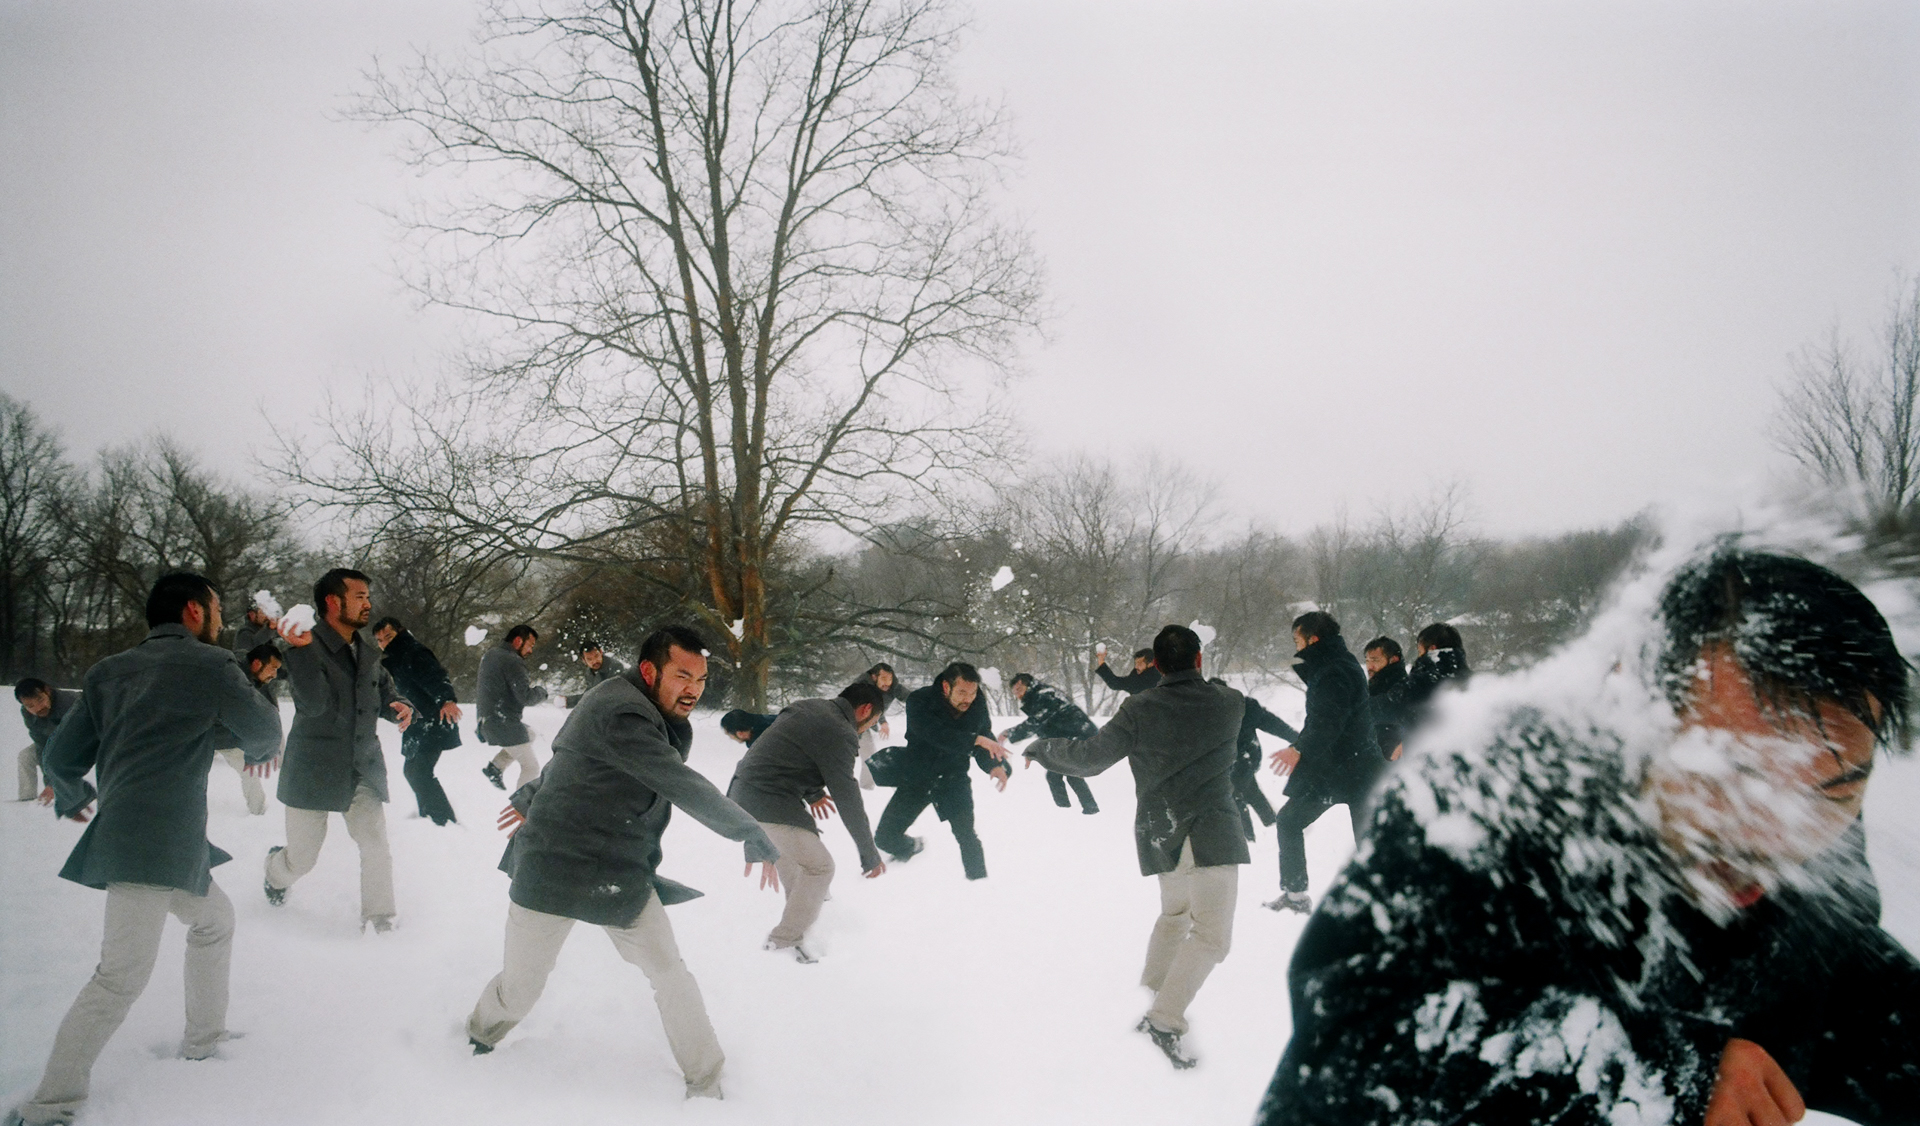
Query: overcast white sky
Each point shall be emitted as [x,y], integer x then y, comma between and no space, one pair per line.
[1326,253]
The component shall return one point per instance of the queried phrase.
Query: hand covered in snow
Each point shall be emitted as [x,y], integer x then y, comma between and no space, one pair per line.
[46,796]
[263,769]
[1000,777]
[822,809]
[404,711]
[769,875]
[510,820]
[1284,760]
[1751,1088]
[986,743]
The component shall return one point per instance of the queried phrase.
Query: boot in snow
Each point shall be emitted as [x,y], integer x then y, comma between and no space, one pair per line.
[275,896]
[919,846]
[799,951]
[495,775]
[479,1049]
[1168,1043]
[1298,901]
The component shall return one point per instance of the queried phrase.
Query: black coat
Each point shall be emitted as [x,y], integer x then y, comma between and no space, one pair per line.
[1339,759]
[40,728]
[1130,683]
[1516,903]
[1051,715]
[1432,671]
[422,679]
[940,740]
[756,723]
[1387,700]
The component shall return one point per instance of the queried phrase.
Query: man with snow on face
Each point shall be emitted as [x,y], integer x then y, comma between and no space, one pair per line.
[1647,905]
[586,848]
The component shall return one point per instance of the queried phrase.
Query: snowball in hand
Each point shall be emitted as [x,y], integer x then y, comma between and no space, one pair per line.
[1002,577]
[298,620]
[475,635]
[267,603]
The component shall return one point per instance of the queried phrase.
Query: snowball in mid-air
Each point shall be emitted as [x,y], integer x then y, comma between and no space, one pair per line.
[1207,633]
[990,677]
[267,603]
[475,635]
[543,666]
[1002,577]
[300,619]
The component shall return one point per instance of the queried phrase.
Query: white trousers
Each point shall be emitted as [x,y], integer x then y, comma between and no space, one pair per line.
[256,794]
[1192,935]
[29,765]
[367,825]
[521,753]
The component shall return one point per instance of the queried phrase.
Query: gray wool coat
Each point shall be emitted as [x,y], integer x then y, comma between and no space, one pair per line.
[1180,738]
[40,728]
[590,848]
[340,691]
[145,727]
[502,694]
[246,637]
[813,745]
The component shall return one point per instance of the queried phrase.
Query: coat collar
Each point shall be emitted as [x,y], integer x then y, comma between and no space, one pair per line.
[1387,678]
[1177,677]
[172,631]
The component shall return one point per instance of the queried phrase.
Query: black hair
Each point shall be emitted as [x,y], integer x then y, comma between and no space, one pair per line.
[1025,678]
[169,598]
[882,667]
[389,622]
[659,645]
[1800,632]
[30,686]
[958,670]
[1440,635]
[1387,645]
[264,652]
[520,631]
[588,644]
[865,692]
[334,582]
[1143,654]
[1317,623]
[1176,649]
[739,719]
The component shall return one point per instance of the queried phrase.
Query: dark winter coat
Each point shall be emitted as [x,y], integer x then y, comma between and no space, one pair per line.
[1516,953]
[813,747]
[1180,740]
[145,727]
[40,728]
[1051,715]
[590,848]
[1387,700]
[1248,757]
[1432,671]
[756,723]
[419,676]
[340,693]
[502,696]
[940,740]
[1130,683]
[247,638]
[1339,759]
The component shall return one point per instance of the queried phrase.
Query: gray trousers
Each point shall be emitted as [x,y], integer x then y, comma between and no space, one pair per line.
[521,753]
[806,871]
[1192,935]
[367,825]
[534,939]
[30,772]
[250,786]
[136,914]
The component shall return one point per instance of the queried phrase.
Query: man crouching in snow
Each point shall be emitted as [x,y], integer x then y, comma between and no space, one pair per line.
[586,847]
[1181,740]
[1649,907]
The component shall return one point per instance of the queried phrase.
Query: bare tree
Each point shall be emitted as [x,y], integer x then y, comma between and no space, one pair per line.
[34,475]
[749,277]
[1854,424]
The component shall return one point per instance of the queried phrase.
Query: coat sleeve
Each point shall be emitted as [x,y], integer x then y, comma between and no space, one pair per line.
[1330,704]
[637,750]
[1084,758]
[1031,725]
[426,671]
[981,723]
[523,690]
[1868,1065]
[306,679]
[1264,720]
[246,712]
[389,695]
[67,757]
[845,789]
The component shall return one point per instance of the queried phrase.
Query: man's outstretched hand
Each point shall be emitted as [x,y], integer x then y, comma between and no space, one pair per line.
[1000,777]
[822,809]
[1751,1090]
[510,820]
[994,750]
[769,875]
[263,769]
[1284,760]
[46,796]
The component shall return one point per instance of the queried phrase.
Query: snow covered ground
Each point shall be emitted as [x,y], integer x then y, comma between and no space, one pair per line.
[939,1001]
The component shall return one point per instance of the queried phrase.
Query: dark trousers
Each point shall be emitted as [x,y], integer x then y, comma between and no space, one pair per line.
[427,792]
[1058,783]
[952,799]
[1291,823]
[1252,802]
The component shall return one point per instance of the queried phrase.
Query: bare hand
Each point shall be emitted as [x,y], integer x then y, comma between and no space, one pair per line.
[403,710]
[992,748]
[1751,1088]
[263,769]
[769,875]
[1284,760]
[879,869]
[80,814]
[1397,748]
[822,809]
[1100,660]
[885,731]
[298,638]
[1000,777]
[1028,759]
[510,820]
[46,796]
[450,712]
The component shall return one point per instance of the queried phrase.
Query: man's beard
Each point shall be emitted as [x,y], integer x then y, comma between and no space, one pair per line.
[359,622]
[207,631]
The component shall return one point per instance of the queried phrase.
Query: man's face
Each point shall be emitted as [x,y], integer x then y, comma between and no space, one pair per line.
[865,717]
[267,671]
[203,619]
[1300,641]
[592,658]
[355,608]
[1374,659]
[384,636]
[523,645]
[883,680]
[677,685]
[39,705]
[736,736]
[256,617]
[1140,664]
[1748,794]
[960,694]
[1019,689]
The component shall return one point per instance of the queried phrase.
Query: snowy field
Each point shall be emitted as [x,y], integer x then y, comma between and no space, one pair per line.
[938,1001]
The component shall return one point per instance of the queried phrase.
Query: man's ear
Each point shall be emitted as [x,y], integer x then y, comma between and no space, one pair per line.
[650,673]
[862,713]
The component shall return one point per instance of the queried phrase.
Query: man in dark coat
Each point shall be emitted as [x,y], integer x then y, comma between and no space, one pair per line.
[1246,763]
[743,726]
[587,849]
[881,676]
[1143,676]
[263,668]
[947,725]
[1644,903]
[600,667]
[1051,715]
[144,726]
[501,696]
[1386,693]
[1441,664]
[422,680]
[255,631]
[1180,740]
[1335,761]
[807,758]
[42,707]
[334,763]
